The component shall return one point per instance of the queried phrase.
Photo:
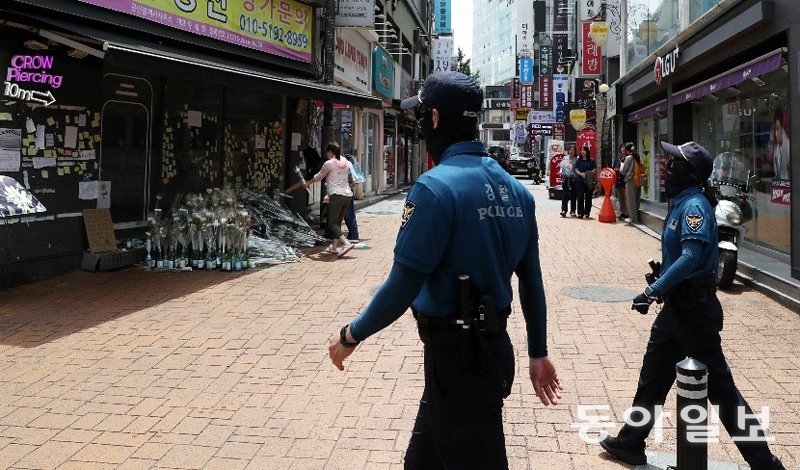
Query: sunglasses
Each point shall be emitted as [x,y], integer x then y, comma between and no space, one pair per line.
[422,111]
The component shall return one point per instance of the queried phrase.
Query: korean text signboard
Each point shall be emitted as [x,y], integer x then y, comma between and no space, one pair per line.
[443,54]
[357,13]
[560,18]
[442,12]
[526,96]
[592,61]
[545,59]
[524,19]
[526,70]
[560,51]
[279,27]
[546,92]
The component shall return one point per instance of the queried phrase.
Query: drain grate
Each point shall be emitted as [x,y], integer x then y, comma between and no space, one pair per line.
[600,293]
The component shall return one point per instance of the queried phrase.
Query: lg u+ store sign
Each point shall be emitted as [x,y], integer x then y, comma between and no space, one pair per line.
[666,65]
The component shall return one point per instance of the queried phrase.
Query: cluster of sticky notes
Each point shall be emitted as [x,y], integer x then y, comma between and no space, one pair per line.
[169,164]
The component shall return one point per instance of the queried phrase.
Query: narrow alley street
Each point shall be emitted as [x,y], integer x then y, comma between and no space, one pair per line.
[135,369]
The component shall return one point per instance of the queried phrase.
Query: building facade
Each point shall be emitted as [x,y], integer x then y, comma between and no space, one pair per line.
[724,74]
[147,101]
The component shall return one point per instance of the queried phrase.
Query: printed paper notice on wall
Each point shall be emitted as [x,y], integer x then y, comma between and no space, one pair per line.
[195,119]
[71,137]
[86,155]
[10,159]
[104,195]
[88,190]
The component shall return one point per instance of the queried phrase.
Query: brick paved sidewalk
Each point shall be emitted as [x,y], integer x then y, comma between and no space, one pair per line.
[216,370]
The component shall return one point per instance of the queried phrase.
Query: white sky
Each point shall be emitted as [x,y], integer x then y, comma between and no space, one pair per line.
[462,26]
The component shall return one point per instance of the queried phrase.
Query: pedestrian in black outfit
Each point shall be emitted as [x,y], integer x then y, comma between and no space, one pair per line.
[569,187]
[690,322]
[585,169]
[453,263]
[619,184]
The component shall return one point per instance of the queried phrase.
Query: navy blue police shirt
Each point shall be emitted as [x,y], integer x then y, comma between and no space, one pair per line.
[466,216]
[690,219]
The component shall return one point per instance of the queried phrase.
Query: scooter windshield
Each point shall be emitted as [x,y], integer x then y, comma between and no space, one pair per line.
[730,168]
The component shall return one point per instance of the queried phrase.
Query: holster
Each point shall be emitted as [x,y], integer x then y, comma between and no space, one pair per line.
[471,332]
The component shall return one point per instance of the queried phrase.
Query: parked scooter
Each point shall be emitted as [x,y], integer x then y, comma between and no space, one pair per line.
[535,170]
[732,180]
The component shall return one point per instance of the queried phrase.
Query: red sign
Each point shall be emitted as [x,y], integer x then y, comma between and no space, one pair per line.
[588,138]
[781,192]
[555,169]
[546,92]
[526,97]
[592,57]
[558,131]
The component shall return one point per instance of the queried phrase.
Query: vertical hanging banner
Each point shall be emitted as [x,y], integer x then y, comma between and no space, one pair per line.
[382,73]
[442,12]
[546,92]
[443,54]
[560,96]
[283,28]
[526,70]
[524,20]
[545,60]
[560,18]
[526,96]
[592,63]
[588,9]
[560,51]
[585,93]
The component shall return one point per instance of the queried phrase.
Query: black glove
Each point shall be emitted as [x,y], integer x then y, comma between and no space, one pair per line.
[641,303]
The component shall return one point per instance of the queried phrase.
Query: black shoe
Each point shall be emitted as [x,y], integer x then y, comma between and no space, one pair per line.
[563,214]
[627,455]
[773,464]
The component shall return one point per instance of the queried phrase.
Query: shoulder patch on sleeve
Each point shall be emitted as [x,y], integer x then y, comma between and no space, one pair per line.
[694,222]
[408,212]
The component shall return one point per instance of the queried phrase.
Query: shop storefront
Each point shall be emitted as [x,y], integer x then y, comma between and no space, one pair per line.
[728,86]
[105,109]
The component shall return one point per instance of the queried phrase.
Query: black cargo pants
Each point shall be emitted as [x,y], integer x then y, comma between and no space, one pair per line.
[459,423]
[690,330]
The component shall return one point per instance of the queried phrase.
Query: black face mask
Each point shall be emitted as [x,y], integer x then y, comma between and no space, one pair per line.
[437,140]
[679,177]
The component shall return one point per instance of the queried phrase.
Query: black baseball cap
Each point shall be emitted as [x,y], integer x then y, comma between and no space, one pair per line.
[452,93]
[695,154]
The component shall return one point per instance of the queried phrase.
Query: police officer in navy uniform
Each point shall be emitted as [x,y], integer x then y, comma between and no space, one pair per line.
[464,217]
[691,319]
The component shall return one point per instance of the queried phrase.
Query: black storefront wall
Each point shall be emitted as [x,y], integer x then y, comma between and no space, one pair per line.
[743,32]
[41,244]
[161,117]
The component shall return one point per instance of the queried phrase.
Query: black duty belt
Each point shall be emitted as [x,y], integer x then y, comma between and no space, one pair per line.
[438,331]
[694,288]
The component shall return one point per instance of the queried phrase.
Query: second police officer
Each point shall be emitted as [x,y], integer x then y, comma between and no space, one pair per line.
[691,319]
[466,227]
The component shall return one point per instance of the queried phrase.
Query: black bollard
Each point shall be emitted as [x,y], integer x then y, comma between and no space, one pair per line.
[692,379]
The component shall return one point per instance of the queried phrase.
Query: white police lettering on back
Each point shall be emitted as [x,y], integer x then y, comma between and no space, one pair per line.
[499,211]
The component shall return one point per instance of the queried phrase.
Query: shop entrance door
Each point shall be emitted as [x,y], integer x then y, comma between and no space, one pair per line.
[125,149]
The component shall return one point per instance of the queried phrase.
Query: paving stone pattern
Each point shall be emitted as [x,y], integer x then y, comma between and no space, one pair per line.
[136,370]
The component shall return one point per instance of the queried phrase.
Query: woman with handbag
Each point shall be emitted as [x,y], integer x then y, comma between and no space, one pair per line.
[585,169]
